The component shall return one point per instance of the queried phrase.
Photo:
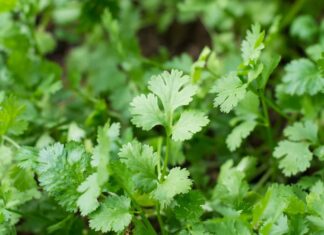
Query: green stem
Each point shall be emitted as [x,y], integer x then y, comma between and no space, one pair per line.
[159,217]
[263,179]
[137,207]
[159,148]
[11,141]
[266,117]
[292,13]
[167,153]
[275,107]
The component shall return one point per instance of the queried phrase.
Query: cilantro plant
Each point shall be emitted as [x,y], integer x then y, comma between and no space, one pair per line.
[161,117]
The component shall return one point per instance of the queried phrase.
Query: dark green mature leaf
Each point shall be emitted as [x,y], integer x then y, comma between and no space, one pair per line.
[59,164]
[142,161]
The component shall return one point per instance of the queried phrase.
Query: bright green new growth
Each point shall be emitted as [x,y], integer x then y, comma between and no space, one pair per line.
[247,113]
[252,45]
[230,91]
[173,90]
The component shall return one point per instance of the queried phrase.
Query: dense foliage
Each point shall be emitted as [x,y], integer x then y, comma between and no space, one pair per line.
[162,117]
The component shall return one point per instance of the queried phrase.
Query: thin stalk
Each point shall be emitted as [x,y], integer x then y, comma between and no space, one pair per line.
[297,6]
[275,107]
[266,117]
[263,179]
[167,153]
[159,148]
[159,217]
[11,141]
[138,207]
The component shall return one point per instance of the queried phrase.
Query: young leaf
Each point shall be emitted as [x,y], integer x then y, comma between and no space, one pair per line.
[106,138]
[90,190]
[230,91]
[142,161]
[173,89]
[177,182]
[253,44]
[112,215]
[189,123]
[240,132]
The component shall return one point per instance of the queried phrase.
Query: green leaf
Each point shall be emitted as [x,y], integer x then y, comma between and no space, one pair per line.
[247,112]
[304,28]
[302,77]
[142,161]
[268,211]
[10,117]
[229,92]
[189,123]
[90,190]
[112,215]
[177,182]
[231,185]
[302,131]
[228,226]
[61,170]
[315,205]
[253,44]
[173,89]
[146,112]
[319,152]
[294,157]
[239,133]
[188,207]
[27,157]
[106,138]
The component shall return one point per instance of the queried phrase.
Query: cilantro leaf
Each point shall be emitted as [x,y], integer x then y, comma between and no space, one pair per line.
[240,132]
[228,226]
[173,89]
[294,153]
[230,91]
[253,44]
[301,131]
[176,182]
[302,77]
[107,137]
[10,117]
[142,161]
[90,190]
[188,207]
[189,123]
[247,113]
[295,157]
[112,215]
[146,112]
[61,170]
